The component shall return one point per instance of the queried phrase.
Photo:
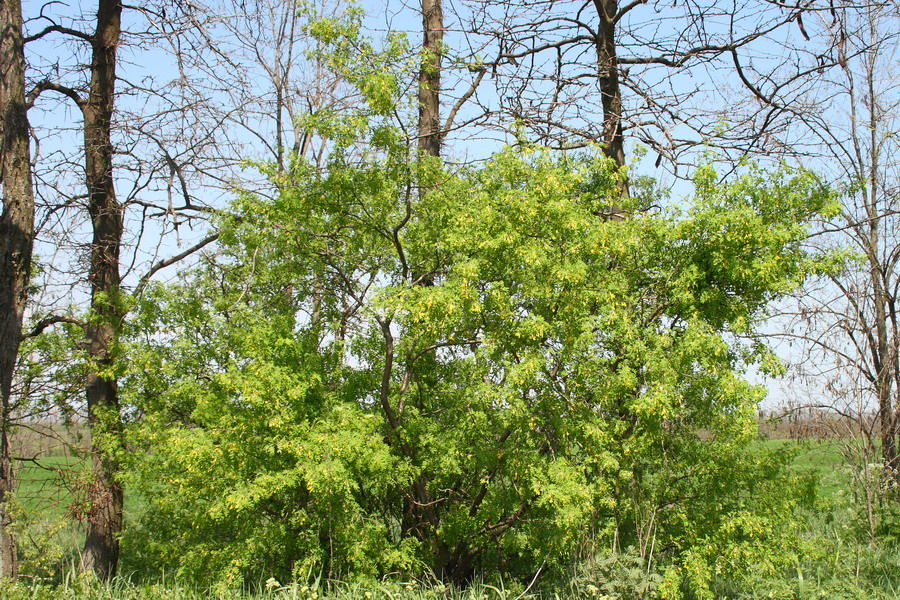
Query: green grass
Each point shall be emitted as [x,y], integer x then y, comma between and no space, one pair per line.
[86,588]
[50,505]
[51,484]
[819,457]
[55,485]
[49,497]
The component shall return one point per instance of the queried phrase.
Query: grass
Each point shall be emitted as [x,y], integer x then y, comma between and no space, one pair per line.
[87,588]
[47,497]
[819,457]
[806,584]
[51,484]
[50,505]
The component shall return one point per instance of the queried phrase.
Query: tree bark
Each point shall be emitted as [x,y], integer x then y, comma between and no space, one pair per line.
[610,93]
[420,515]
[101,547]
[608,80]
[16,243]
[430,134]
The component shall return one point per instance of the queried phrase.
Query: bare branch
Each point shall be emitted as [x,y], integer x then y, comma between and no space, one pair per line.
[46,322]
[172,260]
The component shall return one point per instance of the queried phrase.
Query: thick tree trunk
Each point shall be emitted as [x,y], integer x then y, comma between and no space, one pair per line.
[16,241]
[101,547]
[608,80]
[430,134]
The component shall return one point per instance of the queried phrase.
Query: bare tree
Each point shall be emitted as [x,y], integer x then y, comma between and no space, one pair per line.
[846,322]
[107,223]
[255,66]
[158,151]
[670,76]
[96,100]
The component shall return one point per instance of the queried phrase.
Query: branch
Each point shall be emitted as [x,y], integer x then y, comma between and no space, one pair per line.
[547,46]
[395,232]
[59,29]
[451,116]
[680,60]
[448,344]
[627,8]
[52,320]
[506,522]
[384,392]
[47,85]
[172,260]
[756,91]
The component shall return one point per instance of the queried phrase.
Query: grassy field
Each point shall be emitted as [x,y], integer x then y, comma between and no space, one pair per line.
[50,505]
[819,457]
[122,589]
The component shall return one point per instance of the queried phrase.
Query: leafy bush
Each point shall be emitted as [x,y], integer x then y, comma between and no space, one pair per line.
[392,366]
[368,380]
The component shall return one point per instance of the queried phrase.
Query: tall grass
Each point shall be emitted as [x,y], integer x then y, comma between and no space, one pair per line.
[76,587]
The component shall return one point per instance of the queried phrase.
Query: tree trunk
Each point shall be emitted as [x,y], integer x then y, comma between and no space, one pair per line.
[16,242]
[883,361]
[429,125]
[421,516]
[608,80]
[883,385]
[101,547]
[430,134]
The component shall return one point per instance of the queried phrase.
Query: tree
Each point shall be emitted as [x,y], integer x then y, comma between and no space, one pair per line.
[16,242]
[95,100]
[104,521]
[251,63]
[236,78]
[366,292]
[315,406]
[671,76]
[846,320]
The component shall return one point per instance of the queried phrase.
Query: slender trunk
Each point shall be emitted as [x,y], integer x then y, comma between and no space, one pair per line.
[430,134]
[101,547]
[886,359]
[16,242]
[421,516]
[884,375]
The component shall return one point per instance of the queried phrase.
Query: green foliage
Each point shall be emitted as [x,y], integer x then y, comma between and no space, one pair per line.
[50,373]
[266,458]
[377,74]
[826,563]
[393,367]
[616,576]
